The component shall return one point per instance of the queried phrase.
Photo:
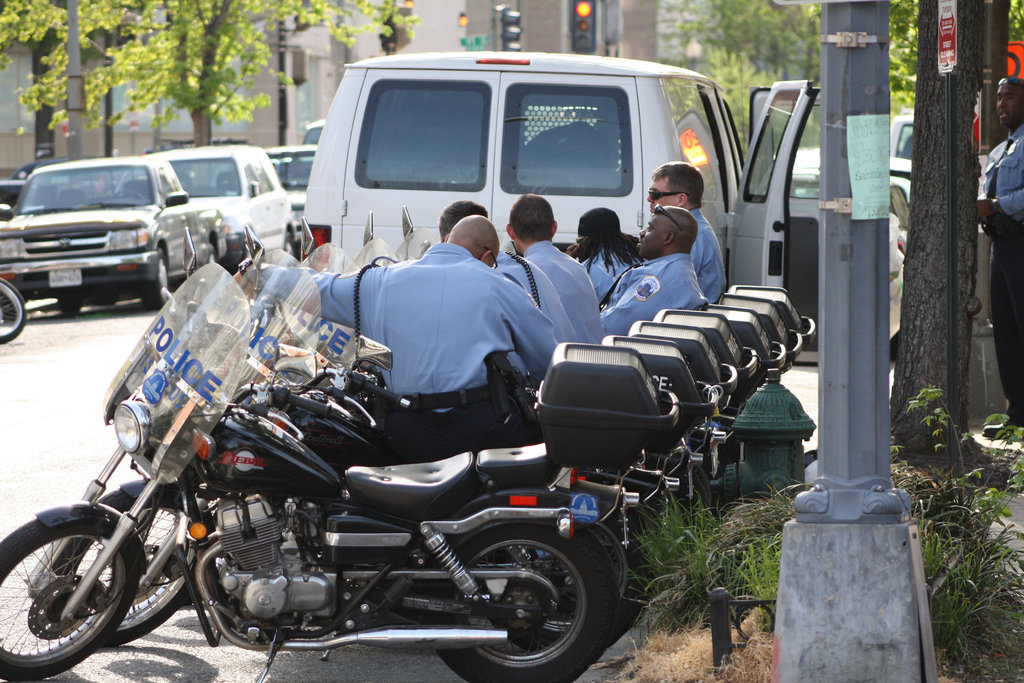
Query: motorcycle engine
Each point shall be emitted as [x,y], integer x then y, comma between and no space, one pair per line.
[264,571]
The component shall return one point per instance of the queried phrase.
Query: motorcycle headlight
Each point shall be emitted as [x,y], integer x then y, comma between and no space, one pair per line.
[131,425]
[129,239]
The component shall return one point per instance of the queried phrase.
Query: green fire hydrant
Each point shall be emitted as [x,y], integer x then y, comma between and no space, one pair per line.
[771,428]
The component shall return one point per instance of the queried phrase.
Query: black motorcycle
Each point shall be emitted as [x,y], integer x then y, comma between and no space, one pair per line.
[468,555]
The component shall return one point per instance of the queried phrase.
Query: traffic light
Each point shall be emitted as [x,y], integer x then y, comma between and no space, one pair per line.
[583,17]
[510,30]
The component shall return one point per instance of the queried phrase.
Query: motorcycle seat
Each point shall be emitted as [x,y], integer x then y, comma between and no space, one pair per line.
[418,491]
[510,468]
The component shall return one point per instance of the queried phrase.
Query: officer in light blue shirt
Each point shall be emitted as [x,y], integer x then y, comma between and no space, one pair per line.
[679,183]
[516,268]
[665,280]
[531,227]
[441,316]
[1001,209]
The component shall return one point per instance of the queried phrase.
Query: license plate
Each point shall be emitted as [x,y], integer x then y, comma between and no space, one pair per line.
[66,278]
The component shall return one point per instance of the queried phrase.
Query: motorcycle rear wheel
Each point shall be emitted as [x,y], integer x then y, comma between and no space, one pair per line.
[156,602]
[12,312]
[575,629]
[39,567]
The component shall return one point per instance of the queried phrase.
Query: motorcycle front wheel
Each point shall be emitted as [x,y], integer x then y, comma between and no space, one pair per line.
[572,632]
[157,601]
[12,312]
[40,566]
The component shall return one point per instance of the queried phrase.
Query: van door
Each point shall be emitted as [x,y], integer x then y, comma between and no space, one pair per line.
[774,235]
[575,144]
[421,139]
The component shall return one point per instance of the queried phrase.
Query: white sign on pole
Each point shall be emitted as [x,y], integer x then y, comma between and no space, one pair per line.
[947,35]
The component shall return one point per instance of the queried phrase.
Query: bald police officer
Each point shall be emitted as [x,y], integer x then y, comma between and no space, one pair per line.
[665,280]
[441,316]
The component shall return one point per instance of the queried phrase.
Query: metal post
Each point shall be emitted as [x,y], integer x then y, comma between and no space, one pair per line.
[952,350]
[76,86]
[282,91]
[847,606]
[721,637]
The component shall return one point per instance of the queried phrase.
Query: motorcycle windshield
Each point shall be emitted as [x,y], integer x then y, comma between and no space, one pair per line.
[285,310]
[415,244]
[195,356]
[329,258]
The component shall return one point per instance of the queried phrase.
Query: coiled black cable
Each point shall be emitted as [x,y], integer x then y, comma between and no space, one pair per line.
[529,275]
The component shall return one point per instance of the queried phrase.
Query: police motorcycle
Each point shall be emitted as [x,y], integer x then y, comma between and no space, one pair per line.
[12,312]
[466,553]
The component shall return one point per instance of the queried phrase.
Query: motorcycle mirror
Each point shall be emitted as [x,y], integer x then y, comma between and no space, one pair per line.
[362,349]
[253,244]
[407,226]
[295,364]
[308,243]
[191,263]
[368,230]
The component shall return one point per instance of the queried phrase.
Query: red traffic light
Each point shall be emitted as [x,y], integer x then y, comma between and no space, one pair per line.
[584,9]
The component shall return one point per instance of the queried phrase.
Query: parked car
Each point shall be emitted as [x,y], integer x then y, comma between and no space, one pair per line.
[240,182]
[10,188]
[901,136]
[313,130]
[293,165]
[101,229]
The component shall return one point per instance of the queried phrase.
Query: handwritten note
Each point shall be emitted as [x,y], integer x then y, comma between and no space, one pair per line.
[867,145]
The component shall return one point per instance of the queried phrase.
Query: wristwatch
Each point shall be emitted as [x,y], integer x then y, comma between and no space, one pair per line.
[994,202]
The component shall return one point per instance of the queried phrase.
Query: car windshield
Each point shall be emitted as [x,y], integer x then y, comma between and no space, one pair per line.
[208,177]
[86,188]
[293,168]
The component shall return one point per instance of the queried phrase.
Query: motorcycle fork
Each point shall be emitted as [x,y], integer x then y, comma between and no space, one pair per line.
[126,526]
[92,494]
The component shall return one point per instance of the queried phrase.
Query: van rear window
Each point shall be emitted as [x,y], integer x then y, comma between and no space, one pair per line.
[425,135]
[566,140]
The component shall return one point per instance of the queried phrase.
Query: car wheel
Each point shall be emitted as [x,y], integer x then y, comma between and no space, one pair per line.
[70,304]
[152,296]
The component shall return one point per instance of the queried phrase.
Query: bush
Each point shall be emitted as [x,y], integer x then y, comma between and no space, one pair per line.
[974,572]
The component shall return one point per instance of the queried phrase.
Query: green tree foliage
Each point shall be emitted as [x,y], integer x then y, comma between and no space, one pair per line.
[198,56]
[744,43]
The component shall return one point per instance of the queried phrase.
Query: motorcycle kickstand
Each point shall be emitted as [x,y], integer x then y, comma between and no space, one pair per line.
[275,647]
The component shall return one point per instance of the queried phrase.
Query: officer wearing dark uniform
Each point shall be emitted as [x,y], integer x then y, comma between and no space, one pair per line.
[442,316]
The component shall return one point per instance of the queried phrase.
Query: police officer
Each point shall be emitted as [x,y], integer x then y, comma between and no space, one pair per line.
[532,226]
[665,280]
[604,250]
[516,268]
[441,316]
[681,184]
[1002,210]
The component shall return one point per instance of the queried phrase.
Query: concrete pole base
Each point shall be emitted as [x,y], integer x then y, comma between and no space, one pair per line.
[852,605]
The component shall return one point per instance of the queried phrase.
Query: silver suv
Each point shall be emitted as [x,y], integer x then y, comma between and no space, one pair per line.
[240,182]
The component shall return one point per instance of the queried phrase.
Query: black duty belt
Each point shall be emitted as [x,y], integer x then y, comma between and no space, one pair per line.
[449,399]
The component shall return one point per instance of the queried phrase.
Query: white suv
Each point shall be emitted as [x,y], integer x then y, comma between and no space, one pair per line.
[240,182]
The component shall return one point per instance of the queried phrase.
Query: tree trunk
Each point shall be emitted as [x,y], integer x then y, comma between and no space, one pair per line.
[200,128]
[44,135]
[921,360]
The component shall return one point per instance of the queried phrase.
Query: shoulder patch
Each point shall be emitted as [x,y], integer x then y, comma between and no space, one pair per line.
[647,288]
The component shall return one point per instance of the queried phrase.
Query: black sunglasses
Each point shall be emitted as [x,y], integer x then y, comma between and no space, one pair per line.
[655,195]
[1012,80]
[660,210]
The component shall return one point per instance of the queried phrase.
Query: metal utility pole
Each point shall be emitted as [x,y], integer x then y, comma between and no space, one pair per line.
[76,87]
[852,604]
[282,90]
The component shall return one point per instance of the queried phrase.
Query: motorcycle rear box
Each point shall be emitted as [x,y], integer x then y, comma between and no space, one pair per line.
[598,406]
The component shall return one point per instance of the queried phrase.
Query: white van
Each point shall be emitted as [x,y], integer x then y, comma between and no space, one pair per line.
[424,130]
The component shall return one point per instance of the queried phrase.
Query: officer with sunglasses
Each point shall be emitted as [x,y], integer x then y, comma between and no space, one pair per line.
[665,280]
[678,183]
[1001,210]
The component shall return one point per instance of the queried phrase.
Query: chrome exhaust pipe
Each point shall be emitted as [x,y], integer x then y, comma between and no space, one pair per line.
[429,637]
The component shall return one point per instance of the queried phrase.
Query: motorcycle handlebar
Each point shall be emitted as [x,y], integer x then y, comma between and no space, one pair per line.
[359,381]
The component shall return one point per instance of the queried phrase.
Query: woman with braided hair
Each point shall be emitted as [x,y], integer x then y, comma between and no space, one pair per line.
[603,249]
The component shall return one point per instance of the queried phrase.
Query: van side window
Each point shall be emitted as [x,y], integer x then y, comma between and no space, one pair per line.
[766,149]
[566,140]
[696,141]
[805,180]
[425,135]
